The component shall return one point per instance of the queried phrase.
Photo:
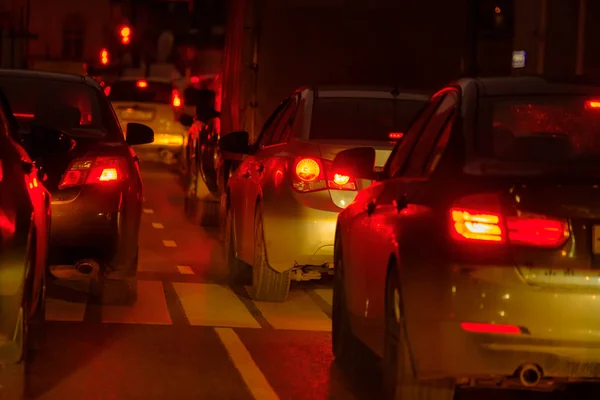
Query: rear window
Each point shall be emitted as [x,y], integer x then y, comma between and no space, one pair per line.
[74,107]
[542,130]
[141,92]
[362,118]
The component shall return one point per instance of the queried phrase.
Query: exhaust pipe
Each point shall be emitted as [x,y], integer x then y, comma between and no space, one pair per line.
[530,375]
[87,267]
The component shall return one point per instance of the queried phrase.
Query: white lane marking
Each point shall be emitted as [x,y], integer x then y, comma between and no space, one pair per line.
[158,225]
[213,305]
[148,211]
[325,294]
[251,374]
[185,270]
[298,312]
[62,310]
[169,243]
[150,307]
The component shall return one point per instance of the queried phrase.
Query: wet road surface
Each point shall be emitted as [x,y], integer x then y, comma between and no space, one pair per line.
[191,336]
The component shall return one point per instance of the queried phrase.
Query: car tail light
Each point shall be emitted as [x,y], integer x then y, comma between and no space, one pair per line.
[142,84]
[107,91]
[395,136]
[91,170]
[523,229]
[592,105]
[311,174]
[477,327]
[176,98]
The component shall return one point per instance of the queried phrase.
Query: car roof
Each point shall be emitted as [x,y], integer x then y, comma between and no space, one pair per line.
[530,85]
[364,91]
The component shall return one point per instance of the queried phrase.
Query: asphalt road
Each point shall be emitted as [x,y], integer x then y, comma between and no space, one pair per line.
[191,336]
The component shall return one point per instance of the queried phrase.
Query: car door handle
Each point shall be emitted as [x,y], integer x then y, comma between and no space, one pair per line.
[401,202]
[260,168]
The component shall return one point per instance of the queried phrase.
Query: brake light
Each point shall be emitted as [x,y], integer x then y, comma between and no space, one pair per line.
[142,84]
[176,98]
[312,174]
[396,135]
[91,170]
[523,229]
[22,115]
[592,105]
[107,91]
[501,329]
[194,79]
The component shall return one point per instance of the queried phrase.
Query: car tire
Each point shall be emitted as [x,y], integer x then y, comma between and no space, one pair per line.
[238,271]
[208,213]
[399,381]
[347,349]
[267,284]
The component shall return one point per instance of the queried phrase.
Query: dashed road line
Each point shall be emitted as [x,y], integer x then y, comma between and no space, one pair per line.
[148,211]
[169,243]
[185,270]
[251,374]
[320,297]
[158,225]
[174,305]
[242,294]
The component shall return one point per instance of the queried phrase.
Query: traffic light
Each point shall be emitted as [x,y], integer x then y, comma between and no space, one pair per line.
[125,33]
[104,59]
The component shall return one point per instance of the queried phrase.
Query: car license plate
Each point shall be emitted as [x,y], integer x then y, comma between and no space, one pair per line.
[596,239]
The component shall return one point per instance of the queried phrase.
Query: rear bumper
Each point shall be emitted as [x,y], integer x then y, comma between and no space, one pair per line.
[560,327]
[298,235]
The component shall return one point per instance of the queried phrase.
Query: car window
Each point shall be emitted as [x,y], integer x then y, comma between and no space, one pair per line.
[430,134]
[141,91]
[372,119]
[400,153]
[438,151]
[71,106]
[268,130]
[283,129]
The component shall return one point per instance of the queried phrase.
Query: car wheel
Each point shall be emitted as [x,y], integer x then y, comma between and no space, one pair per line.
[399,380]
[267,284]
[239,272]
[208,213]
[347,349]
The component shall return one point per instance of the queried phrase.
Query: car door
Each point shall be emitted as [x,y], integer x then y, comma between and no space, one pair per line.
[243,193]
[399,213]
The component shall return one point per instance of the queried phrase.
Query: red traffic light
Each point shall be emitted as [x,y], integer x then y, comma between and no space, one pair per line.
[125,33]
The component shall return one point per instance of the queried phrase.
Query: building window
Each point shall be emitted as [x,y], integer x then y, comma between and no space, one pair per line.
[73,38]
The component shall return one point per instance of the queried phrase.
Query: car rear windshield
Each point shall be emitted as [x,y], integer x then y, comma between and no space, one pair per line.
[370,119]
[73,107]
[141,92]
[540,130]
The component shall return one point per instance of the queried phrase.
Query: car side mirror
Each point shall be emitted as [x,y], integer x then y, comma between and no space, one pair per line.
[358,163]
[139,134]
[186,120]
[235,142]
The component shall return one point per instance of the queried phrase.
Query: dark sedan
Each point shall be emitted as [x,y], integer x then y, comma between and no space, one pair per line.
[96,186]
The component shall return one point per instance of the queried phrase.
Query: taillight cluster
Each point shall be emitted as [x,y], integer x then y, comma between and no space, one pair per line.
[524,229]
[176,98]
[312,174]
[90,170]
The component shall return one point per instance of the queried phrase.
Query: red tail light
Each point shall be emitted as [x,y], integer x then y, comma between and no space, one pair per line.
[522,229]
[176,98]
[86,171]
[477,327]
[107,91]
[592,105]
[312,174]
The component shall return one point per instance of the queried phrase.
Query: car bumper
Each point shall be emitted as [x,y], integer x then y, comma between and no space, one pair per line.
[560,326]
[298,235]
[90,220]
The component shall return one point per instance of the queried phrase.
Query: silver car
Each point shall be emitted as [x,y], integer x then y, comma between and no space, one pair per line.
[282,202]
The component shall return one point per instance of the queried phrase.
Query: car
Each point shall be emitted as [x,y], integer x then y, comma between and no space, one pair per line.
[24,232]
[282,201]
[96,186]
[473,259]
[155,102]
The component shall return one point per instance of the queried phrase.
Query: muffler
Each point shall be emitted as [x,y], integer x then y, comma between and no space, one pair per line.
[87,267]
[530,375]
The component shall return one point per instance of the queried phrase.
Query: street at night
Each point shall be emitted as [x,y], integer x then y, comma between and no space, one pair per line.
[190,335]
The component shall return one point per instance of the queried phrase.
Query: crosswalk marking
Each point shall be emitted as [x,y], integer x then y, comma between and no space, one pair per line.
[158,225]
[150,308]
[169,243]
[299,312]
[204,304]
[62,310]
[213,305]
[251,374]
[148,211]
[325,294]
